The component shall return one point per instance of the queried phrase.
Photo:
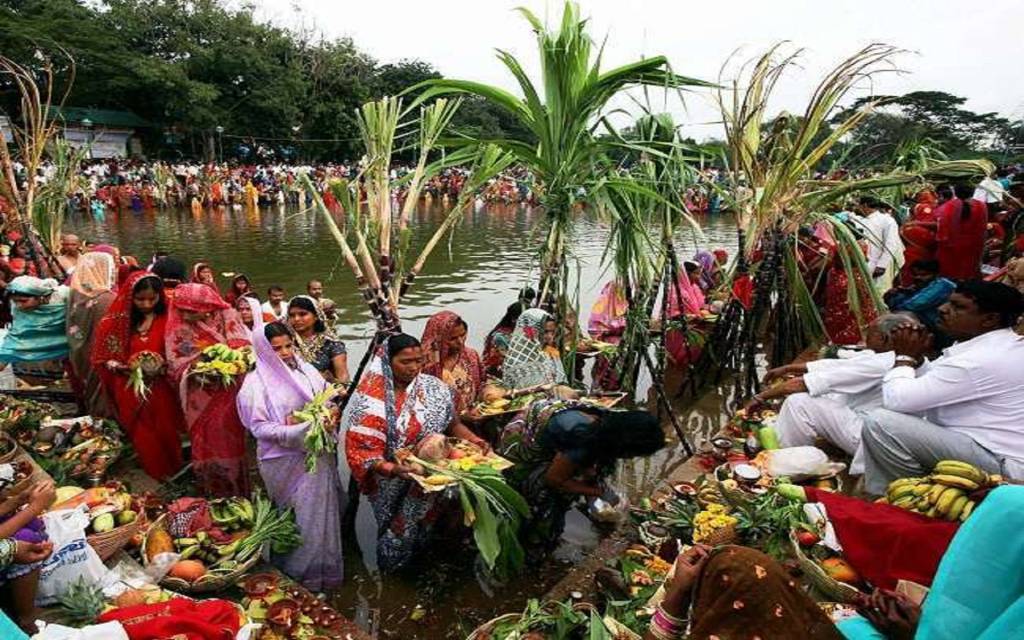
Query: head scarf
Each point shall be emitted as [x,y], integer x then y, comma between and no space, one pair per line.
[186,340]
[107,249]
[273,384]
[608,315]
[526,364]
[33,286]
[94,274]
[708,264]
[39,334]
[375,427]
[114,334]
[690,292]
[234,293]
[195,276]
[721,255]
[435,339]
[310,304]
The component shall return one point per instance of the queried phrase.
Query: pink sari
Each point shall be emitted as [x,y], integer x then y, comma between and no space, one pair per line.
[608,323]
[218,438]
[685,298]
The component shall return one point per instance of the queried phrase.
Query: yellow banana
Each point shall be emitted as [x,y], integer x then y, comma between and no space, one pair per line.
[935,492]
[962,469]
[968,508]
[955,481]
[922,489]
[947,499]
[957,508]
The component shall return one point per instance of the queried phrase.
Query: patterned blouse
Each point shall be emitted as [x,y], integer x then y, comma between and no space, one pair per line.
[320,350]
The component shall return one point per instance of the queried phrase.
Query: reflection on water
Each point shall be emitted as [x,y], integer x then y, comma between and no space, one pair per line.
[476,272]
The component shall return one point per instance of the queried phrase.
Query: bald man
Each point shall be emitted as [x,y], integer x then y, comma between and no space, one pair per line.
[70,250]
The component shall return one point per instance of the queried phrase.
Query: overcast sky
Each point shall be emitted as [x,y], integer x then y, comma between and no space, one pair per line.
[969,49]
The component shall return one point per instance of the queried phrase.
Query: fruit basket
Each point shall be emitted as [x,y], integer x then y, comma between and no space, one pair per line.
[9,448]
[216,579]
[110,542]
[830,587]
[490,629]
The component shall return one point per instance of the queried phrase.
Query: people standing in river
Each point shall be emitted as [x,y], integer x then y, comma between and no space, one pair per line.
[136,324]
[395,406]
[607,323]
[240,285]
[496,343]
[275,304]
[533,357]
[282,383]
[447,357]
[92,291]
[315,343]
[315,290]
[202,273]
[199,318]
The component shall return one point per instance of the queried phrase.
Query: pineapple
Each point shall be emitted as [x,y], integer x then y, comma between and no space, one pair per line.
[82,603]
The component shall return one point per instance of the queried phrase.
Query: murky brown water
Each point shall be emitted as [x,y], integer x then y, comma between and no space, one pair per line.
[491,254]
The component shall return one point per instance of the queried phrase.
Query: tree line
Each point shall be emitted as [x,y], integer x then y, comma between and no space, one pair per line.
[189,67]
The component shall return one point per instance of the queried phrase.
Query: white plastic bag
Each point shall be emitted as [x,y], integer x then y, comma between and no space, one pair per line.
[72,559]
[797,463]
[105,631]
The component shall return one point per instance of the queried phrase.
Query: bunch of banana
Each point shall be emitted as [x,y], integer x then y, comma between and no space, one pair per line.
[221,363]
[232,514]
[943,494]
[203,547]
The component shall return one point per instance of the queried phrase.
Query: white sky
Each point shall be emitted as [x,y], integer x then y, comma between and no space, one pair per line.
[968,49]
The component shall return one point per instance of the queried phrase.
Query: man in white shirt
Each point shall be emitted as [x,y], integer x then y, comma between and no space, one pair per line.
[829,395]
[885,248]
[966,405]
[275,305]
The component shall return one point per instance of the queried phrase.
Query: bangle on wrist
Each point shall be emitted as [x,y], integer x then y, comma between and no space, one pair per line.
[907,360]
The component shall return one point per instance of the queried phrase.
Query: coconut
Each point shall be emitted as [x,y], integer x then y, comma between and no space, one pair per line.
[432,448]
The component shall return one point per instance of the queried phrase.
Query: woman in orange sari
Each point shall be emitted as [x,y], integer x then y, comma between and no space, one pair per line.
[447,357]
[136,324]
[199,318]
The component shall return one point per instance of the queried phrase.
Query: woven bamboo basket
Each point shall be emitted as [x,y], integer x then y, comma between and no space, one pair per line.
[10,446]
[207,583]
[110,542]
[37,475]
[484,631]
[833,589]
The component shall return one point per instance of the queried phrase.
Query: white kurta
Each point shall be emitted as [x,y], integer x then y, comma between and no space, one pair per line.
[837,390]
[885,247]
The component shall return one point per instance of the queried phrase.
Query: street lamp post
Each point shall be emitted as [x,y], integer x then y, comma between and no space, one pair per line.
[87,125]
[220,143]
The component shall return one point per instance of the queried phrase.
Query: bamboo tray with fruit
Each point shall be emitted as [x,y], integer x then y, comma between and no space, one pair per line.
[447,453]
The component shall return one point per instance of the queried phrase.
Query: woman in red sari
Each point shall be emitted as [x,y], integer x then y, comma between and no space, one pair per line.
[136,323]
[962,223]
[918,234]
[842,322]
[199,318]
[202,273]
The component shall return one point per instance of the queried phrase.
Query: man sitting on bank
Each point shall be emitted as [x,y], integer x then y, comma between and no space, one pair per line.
[966,405]
[829,395]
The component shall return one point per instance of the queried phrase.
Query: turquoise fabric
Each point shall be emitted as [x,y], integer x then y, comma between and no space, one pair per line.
[36,335]
[9,630]
[978,591]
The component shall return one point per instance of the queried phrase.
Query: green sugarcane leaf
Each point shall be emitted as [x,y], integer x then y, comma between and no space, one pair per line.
[468,513]
[485,532]
[507,494]
[597,629]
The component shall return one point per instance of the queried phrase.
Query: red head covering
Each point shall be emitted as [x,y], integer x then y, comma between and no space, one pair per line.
[721,255]
[114,333]
[17,264]
[186,339]
[436,335]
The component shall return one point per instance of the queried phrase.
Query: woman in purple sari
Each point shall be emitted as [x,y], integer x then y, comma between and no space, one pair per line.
[280,384]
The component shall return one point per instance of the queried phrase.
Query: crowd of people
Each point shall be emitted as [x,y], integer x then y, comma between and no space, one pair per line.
[934,378]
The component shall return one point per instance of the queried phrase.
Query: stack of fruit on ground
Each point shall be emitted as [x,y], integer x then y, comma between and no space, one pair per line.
[951,492]
[232,544]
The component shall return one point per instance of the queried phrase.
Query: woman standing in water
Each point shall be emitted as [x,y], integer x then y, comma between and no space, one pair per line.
[394,407]
[496,344]
[532,358]
[281,384]
[136,323]
[199,318]
[92,286]
[447,357]
[314,342]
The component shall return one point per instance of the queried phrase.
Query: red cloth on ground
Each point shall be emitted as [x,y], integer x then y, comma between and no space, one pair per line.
[178,618]
[886,544]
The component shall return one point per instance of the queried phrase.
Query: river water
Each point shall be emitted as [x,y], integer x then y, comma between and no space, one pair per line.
[476,272]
